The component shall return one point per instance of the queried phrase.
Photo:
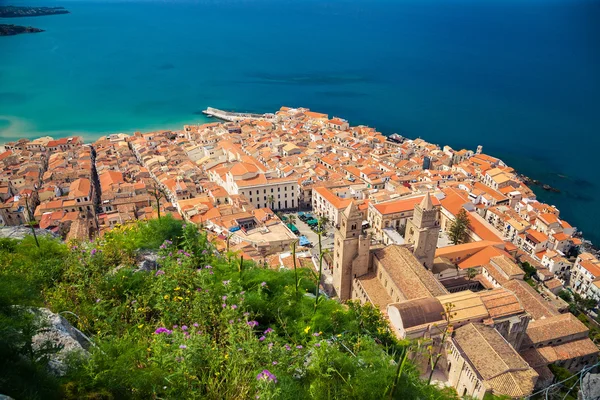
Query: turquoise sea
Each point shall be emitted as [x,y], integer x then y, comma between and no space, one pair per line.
[520,77]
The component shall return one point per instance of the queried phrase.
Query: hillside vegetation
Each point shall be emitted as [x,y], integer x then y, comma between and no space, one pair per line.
[204,325]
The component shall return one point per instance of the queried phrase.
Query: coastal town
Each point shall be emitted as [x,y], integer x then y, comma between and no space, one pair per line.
[450,245]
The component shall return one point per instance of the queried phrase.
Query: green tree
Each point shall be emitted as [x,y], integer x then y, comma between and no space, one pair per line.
[271,200]
[459,228]
[471,273]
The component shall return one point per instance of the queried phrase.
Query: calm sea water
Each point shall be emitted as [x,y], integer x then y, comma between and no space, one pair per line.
[520,77]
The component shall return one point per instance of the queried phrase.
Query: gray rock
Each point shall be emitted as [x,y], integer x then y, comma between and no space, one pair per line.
[56,332]
[590,387]
[147,261]
[3,397]
[19,232]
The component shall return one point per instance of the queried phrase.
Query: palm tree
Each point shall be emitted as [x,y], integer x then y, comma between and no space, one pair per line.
[271,199]
[291,219]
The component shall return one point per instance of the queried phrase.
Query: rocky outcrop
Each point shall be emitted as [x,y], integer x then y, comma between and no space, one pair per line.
[57,333]
[19,232]
[147,261]
[590,387]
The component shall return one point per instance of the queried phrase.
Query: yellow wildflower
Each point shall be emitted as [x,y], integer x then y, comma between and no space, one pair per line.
[226,356]
[177,288]
[166,296]
[179,298]
[307,329]
[140,326]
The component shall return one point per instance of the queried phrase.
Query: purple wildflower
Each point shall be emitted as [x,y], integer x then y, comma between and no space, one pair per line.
[163,330]
[168,241]
[299,346]
[97,300]
[270,345]
[242,292]
[208,267]
[263,284]
[230,322]
[226,283]
[179,359]
[252,324]
[268,330]
[187,254]
[195,325]
[316,334]
[93,251]
[159,272]
[246,314]
[266,375]
[317,344]
[175,326]
[224,305]
[183,346]
[204,252]
[233,307]
[287,347]
[198,289]
[184,327]
[212,273]
[261,338]
[275,363]
[224,298]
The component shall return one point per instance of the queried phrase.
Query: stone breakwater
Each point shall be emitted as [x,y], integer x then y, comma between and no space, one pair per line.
[235,116]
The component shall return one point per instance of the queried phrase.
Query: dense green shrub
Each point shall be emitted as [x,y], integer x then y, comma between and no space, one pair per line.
[202,326]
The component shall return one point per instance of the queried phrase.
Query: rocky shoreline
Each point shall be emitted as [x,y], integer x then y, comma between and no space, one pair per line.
[10,30]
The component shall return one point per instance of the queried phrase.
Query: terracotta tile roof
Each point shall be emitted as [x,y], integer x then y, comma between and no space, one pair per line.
[80,187]
[593,269]
[481,257]
[500,302]
[411,278]
[531,300]
[375,290]
[500,367]
[507,265]
[560,352]
[402,205]
[552,328]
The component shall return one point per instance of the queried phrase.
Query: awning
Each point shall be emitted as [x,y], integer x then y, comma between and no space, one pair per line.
[304,241]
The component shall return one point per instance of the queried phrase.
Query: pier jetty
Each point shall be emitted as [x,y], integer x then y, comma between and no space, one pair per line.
[236,116]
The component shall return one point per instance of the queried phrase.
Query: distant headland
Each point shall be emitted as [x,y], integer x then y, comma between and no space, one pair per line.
[9,30]
[18,12]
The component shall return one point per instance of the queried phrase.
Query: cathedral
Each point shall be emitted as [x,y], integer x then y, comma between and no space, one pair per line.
[383,275]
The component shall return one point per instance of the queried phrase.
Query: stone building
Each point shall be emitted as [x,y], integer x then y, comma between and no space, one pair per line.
[422,231]
[480,361]
[379,275]
[351,251]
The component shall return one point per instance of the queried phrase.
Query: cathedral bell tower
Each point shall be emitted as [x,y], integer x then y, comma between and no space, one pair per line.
[351,252]
[422,231]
